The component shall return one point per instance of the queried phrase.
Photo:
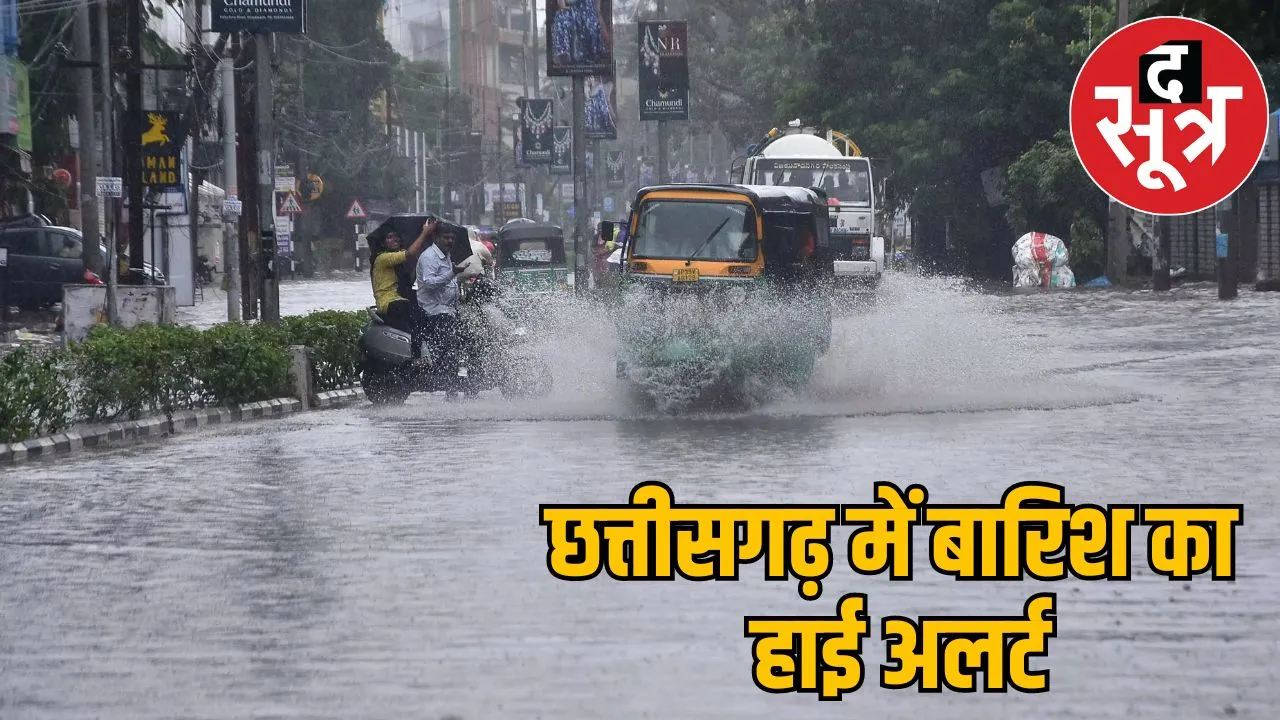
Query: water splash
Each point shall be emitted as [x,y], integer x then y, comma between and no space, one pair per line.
[926,345]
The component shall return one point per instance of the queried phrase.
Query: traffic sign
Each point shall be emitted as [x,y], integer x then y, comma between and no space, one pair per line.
[287,204]
[110,187]
[357,211]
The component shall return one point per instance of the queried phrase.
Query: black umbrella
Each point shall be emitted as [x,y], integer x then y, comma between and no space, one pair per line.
[408,226]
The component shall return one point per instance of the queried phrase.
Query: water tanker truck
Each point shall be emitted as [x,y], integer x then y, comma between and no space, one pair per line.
[799,156]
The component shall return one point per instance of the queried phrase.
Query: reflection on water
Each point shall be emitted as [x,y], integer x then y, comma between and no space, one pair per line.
[283,587]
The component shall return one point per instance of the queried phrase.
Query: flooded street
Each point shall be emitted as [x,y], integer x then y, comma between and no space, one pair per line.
[389,563]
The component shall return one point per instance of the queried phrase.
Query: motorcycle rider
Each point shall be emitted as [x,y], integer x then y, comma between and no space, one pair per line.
[438,297]
[396,310]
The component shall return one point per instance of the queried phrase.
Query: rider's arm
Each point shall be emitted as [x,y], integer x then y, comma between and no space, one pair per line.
[416,248]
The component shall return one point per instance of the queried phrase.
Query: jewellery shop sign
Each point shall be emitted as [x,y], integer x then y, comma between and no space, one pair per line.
[259,16]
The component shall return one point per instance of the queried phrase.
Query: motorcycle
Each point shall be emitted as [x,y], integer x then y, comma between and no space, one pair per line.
[494,345]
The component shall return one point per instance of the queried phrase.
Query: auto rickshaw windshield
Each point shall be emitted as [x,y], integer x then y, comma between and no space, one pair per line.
[723,231]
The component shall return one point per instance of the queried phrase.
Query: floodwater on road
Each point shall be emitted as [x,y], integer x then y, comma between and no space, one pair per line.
[388,563]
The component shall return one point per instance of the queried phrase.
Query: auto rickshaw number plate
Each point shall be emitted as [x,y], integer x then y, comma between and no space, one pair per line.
[685,274]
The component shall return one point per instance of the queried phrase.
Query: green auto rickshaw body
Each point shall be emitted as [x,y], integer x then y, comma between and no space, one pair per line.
[760,319]
[530,258]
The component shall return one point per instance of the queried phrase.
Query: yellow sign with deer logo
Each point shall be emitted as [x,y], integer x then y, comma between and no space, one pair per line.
[161,151]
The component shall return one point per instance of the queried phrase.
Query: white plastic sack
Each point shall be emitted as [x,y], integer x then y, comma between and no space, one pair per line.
[1032,271]
[615,258]
[1026,277]
[1055,251]
[471,267]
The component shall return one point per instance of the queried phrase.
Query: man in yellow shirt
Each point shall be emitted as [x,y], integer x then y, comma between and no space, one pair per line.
[396,310]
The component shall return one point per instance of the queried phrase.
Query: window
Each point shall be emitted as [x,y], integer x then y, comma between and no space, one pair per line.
[21,242]
[528,252]
[695,230]
[848,181]
[63,245]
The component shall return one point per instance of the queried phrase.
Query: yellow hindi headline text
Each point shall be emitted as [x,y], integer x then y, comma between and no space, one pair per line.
[1030,533]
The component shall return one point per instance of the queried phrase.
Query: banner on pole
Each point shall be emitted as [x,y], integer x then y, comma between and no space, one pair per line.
[562,150]
[579,38]
[602,107]
[664,71]
[536,131]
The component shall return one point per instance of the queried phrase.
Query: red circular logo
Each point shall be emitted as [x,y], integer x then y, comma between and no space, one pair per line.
[1169,116]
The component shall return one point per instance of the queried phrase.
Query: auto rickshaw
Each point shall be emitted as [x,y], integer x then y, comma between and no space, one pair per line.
[530,258]
[728,283]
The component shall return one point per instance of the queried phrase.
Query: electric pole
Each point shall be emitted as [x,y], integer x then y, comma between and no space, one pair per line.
[246,163]
[580,227]
[663,175]
[108,155]
[231,224]
[269,287]
[133,131]
[1118,217]
[88,153]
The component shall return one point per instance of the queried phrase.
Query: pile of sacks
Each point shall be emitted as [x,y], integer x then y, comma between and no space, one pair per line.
[1040,260]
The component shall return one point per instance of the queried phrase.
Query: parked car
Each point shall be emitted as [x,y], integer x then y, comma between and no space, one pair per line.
[43,257]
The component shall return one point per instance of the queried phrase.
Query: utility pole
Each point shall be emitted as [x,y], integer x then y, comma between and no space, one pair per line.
[269,286]
[580,232]
[108,154]
[88,154]
[527,201]
[230,224]
[663,175]
[1118,218]
[133,130]
[1227,240]
[246,163]
[1160,280]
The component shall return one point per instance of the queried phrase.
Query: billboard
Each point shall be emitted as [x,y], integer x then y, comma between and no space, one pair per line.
[579,37]
[601,108]
[664,71]
[258,16]
[162,147]
[536,135]
[562,150]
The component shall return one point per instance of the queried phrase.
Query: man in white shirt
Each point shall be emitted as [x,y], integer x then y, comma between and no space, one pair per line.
[438,297]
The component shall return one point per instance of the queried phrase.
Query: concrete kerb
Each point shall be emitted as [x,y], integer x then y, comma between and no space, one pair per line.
[121,434]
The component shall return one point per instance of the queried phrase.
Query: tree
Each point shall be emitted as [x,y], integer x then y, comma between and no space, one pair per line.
[45,38]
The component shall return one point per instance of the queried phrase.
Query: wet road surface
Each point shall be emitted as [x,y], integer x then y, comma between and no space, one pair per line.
[389,563]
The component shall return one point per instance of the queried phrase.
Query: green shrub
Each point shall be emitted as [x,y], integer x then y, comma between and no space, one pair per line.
[126,374]
[333,337]
[238,363]
[33,400]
